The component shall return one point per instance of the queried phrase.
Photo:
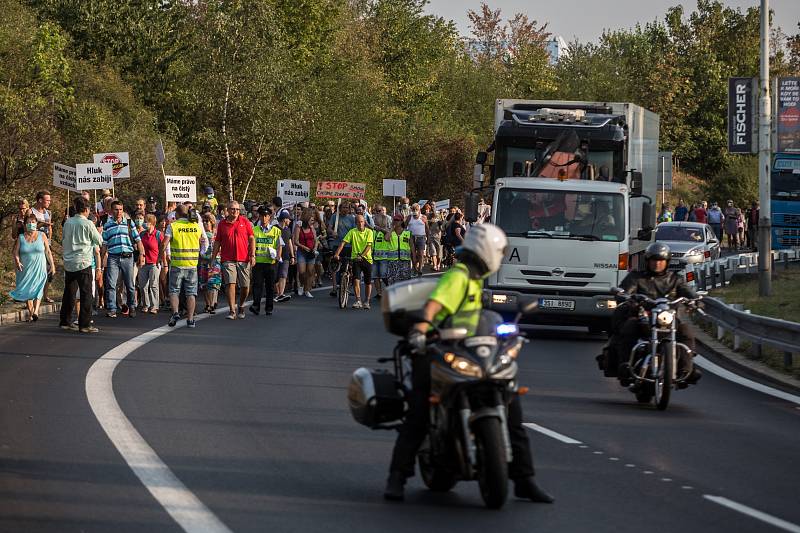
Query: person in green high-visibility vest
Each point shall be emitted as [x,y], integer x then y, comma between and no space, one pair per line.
[268,249]
[400,252]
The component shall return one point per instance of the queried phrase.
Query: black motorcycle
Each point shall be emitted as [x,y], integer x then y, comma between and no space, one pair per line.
[472,381]
[654,360]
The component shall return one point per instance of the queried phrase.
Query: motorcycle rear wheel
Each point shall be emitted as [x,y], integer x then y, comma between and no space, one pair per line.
[663,384]
[492,465]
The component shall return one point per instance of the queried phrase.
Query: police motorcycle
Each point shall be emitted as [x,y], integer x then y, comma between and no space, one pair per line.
[472,381]
[653,364]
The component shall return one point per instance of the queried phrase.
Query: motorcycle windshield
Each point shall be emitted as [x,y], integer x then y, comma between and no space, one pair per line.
[475,321]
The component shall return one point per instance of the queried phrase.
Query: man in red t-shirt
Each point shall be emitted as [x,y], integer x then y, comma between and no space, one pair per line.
[236,245]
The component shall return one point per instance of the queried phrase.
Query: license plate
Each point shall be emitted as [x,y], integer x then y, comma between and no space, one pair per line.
[547,303]
[674,263]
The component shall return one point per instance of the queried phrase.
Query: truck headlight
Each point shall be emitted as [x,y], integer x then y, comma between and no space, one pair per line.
[665,318]
[463,366]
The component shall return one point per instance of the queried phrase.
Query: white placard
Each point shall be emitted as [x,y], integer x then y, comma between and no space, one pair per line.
[64,177]
[294,191]
[120,163]
[394,187]
[160,155]
[443,204]
[94,176]
[181,188]
[422,203]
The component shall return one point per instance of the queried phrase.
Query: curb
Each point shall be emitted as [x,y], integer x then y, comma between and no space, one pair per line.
[735,362]
[21,315]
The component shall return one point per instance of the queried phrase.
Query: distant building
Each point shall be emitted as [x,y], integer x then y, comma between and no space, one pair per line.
[556,47]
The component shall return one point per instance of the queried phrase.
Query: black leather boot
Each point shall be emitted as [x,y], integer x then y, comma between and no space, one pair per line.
[527,489]
[395,487]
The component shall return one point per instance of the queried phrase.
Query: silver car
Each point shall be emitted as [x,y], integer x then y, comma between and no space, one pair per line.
[689,242]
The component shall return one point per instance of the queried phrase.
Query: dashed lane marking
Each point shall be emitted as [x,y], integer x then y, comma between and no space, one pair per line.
[753,513]
[750,384]
[552,434]
[181,503]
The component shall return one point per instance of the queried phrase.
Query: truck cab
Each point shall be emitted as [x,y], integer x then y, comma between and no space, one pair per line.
[570,185]
[785,198]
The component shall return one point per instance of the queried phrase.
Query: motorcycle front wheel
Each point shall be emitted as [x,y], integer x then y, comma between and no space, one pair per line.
[663,384]
[492,465]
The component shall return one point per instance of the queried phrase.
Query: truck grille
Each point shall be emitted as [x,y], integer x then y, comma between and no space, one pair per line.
[547,274]
[559,282]
[791,219]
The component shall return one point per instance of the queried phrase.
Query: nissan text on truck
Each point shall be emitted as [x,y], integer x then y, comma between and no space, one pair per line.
[572,186]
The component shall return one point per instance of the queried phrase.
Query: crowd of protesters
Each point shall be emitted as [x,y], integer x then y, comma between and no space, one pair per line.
[739,226]
[123,260]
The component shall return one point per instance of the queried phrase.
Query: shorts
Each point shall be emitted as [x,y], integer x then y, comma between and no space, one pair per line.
[380,269]
[183,278]
[434,247]
[236,272]
[303,260]
[362,267]
[419,243]
[283,269]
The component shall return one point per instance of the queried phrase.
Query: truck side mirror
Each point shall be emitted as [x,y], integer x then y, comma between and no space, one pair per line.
[471,200]
[644,234]
[648,216]
[480,158]
[637,185]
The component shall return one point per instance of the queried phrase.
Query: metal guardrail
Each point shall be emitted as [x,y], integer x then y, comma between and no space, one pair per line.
[759,330]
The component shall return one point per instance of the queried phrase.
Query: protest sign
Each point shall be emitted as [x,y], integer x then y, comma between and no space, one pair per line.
[294,191]
[94,176]
[181,188]
[120,163]
[341,189]
[443,204]
[64,177]
[394,187]
[422,203]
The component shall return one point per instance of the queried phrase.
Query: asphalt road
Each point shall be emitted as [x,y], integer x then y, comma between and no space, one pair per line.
[251,417]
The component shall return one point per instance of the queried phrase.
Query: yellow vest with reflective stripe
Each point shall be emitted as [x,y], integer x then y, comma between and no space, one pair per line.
[404,246]
[381,248]
[185,243]
[266,240]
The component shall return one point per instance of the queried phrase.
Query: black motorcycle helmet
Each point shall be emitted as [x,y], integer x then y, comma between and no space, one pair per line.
[656,250]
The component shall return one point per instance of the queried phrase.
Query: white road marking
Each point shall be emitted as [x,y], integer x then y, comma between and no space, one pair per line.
[630,465]
[754,513]
[552,434]
[750,384]
[181,504]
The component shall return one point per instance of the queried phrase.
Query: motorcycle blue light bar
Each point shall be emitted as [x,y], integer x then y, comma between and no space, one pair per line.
[506,329]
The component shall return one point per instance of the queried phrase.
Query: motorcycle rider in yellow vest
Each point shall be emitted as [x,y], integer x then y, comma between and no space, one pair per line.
[268,249]
[187,241]
[456,301]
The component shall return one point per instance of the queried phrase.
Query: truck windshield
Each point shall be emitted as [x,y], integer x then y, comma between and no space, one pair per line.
[538,213]
[785,183]
[520,162]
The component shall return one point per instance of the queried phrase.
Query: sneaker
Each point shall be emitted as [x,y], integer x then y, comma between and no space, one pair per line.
[174,320]
[231,316]
[191,324]
[300,292]
[333,292]
[309,295]
[240,315]
[357,305]
[212,311]
[366,306]
[154,310]
[276,299]
[90,329]
[111,314]
[124,309]
[254,310]
[132,312]
[69,327]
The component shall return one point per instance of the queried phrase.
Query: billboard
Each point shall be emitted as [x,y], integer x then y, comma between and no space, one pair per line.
[788,115]
[742,111]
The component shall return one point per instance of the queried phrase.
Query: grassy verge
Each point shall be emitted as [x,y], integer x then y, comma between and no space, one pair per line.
[784,304]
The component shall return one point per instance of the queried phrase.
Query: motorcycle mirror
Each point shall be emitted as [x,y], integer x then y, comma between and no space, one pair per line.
[616,290]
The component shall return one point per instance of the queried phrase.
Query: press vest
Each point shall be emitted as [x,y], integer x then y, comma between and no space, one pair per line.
[404,246]
[185,243]
[381,247]
[266,240]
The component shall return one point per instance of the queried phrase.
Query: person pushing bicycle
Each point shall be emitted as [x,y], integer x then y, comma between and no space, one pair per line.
[361,240]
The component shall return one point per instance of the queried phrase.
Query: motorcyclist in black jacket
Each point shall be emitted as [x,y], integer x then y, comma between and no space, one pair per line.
[655,282]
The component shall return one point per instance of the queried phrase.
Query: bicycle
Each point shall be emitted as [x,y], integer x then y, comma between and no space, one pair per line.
[343,290]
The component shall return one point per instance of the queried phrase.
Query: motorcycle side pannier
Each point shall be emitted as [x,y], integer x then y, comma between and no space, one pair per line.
[374,397]
[402,304]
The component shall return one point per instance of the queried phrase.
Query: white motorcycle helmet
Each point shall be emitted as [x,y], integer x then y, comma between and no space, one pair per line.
[483,249]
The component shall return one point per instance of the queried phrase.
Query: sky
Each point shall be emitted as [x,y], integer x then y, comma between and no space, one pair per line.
[585,19]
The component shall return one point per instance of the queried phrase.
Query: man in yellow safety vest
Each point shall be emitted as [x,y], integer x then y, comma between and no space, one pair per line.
[187,241]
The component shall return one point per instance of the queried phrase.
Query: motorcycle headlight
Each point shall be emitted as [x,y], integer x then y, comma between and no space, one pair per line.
[463,366]
[513,351]
[665,318]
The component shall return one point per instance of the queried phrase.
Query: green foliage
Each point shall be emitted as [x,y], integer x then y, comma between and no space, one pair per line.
[737,181]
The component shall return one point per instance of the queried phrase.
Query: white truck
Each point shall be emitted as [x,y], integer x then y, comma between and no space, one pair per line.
[572,185]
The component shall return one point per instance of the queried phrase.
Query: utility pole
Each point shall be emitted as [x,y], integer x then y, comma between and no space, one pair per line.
[764,152]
